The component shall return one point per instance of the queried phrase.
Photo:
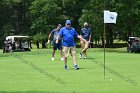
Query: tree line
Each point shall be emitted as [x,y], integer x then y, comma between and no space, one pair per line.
[37,18]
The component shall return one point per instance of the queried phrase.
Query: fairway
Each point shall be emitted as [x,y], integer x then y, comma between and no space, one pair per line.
[34,72]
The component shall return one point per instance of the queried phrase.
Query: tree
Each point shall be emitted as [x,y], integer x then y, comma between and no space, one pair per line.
[128,17]
[127,21]
[44,15]
[93,14]
[31,17]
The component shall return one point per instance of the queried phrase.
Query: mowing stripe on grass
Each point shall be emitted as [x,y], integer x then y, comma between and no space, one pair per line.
[60,81]
[127,79]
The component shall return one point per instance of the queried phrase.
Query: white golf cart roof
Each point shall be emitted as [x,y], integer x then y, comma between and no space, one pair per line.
[13,37]
[133,37]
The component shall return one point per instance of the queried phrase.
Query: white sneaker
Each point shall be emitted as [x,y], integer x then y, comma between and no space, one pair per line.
[85,57]
[62,59]
[52,59]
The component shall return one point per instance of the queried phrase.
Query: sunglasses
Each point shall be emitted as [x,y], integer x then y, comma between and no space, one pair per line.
[68,24]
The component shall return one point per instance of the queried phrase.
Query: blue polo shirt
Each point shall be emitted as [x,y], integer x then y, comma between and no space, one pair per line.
[86,32]
[68,35]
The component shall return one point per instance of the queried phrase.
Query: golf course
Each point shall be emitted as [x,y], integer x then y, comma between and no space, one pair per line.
[35,72]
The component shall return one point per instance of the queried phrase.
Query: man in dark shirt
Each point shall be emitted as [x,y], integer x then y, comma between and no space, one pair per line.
[86,34]
[55,32]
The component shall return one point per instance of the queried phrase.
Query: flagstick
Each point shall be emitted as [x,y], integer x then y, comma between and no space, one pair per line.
[104,49]
[104,42]
[109,19]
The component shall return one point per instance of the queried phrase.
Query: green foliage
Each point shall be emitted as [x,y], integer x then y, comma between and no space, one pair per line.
[44,14]
[127,20]
[39,37]
[29,17]
[93,13]
[8,30]
[128,17]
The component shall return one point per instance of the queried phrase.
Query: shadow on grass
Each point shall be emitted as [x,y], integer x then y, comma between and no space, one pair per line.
[121,50]
[41,52]
[116,51]
[4,55]
[90,58]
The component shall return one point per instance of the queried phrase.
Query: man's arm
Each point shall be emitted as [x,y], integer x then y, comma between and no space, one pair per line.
[52,32]
[81,38]
[57,39]
[60,35]
[49,38]
[89,38]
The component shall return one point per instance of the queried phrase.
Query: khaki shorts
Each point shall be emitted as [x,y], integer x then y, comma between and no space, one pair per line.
[66,51]
[84,44]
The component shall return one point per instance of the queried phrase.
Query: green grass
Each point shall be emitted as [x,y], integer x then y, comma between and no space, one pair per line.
[36,73]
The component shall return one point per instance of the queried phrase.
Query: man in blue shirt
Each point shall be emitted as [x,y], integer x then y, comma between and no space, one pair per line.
[55,32]
[86,34]
[67,34]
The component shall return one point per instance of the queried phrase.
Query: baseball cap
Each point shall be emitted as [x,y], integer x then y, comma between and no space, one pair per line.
[68,22]
[85,24]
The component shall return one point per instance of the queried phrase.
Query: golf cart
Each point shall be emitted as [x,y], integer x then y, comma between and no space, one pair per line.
[133,45]
[16,43]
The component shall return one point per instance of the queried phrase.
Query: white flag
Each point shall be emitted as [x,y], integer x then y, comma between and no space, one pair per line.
[110,17]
